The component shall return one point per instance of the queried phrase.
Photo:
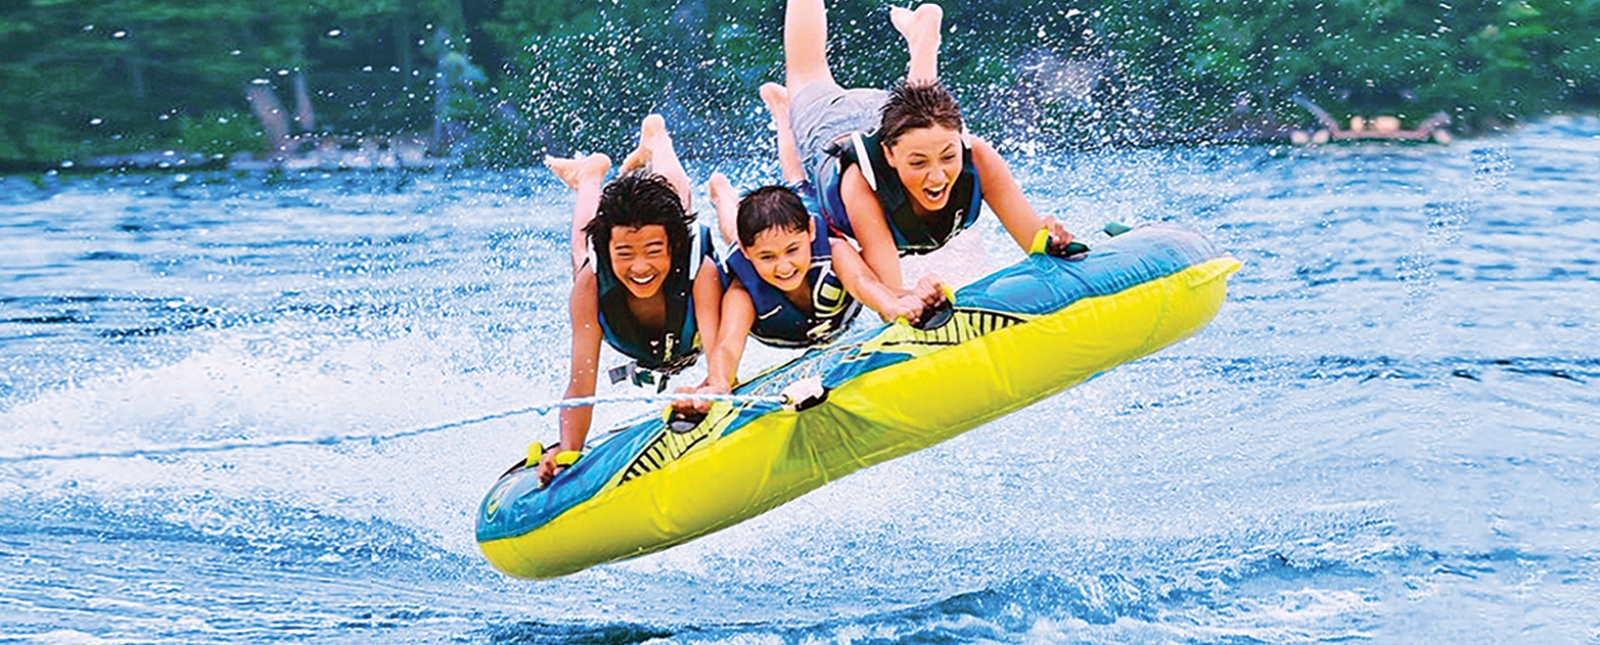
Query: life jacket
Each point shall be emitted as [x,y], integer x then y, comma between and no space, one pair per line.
[779,322]
[677,344]
[912,235]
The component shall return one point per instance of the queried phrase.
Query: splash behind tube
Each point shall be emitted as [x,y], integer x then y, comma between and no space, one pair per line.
[1017,336]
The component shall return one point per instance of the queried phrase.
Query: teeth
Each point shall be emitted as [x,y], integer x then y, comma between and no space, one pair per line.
[638,280]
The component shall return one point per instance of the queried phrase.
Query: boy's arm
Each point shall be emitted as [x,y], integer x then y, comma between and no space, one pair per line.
[708,304]
[584,309]
[738,314]
[864,285]
[709,301]
[1005,198]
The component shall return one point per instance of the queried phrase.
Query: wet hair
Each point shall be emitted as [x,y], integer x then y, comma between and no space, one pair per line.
[637,200]
[917,105]
[770,207]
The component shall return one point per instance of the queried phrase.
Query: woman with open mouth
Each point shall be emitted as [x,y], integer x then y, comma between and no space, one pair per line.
[895,170]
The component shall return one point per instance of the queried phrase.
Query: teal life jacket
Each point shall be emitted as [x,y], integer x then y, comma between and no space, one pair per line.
[781,323]
[912,235]
[677,344]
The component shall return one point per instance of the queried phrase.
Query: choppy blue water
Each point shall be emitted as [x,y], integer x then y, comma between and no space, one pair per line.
[1391,434]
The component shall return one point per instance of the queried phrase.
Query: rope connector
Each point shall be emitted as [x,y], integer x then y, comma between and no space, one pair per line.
[804,394]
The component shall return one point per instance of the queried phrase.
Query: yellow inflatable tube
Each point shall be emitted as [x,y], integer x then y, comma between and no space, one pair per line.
[1018,336]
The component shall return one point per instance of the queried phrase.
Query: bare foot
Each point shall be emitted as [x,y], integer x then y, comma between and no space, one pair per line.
[920,27]
[720,186]
[639,159]
[581,170]
[652,134]
[777,99]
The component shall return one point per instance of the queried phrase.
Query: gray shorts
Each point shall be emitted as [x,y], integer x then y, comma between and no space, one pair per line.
[821,112]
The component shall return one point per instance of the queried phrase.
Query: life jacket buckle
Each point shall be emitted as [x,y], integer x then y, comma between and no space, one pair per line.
[630,371]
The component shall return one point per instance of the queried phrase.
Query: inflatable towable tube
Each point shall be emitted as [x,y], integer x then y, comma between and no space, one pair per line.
[1016,336]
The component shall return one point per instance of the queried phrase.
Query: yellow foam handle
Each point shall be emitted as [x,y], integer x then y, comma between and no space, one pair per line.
[535,454]
[1041,242]
[568,457]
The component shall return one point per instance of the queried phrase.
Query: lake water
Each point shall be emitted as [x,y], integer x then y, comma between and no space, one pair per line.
[227,402]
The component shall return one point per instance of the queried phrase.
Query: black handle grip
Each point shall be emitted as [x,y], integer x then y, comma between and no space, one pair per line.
[1068,251]
[935,316]
[682,421]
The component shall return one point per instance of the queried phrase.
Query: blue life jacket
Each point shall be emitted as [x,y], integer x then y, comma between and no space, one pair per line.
[677,344]
[779,322]
[912,235]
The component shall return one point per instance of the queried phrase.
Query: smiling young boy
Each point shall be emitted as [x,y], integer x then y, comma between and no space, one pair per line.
[789,283]
[645,277]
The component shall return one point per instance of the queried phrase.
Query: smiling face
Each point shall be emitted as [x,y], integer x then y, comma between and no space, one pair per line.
[927,160]
[640,258]
[781,256]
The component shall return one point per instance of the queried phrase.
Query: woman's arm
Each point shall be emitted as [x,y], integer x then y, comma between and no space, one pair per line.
[1005,198]
[864,285]
[871,227]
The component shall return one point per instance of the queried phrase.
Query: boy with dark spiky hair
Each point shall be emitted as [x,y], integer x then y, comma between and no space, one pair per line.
[645,276]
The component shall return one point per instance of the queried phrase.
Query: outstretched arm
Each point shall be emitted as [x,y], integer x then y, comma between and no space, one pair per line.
[708,304]
[738,314]
[1005,198]
[584,308]
[864,285]
[871,227]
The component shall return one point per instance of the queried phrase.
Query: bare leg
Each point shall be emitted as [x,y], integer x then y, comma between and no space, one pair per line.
[921,31]
[805,44]
[777,99]
[656,154]
[585,176]
[724,199]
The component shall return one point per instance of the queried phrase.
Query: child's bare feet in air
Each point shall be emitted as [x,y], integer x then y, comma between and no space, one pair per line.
[652,135]
[578,171]
[777,99]
[920,27]
[720,187]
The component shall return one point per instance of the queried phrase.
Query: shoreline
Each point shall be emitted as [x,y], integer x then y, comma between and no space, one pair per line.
[413,158]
